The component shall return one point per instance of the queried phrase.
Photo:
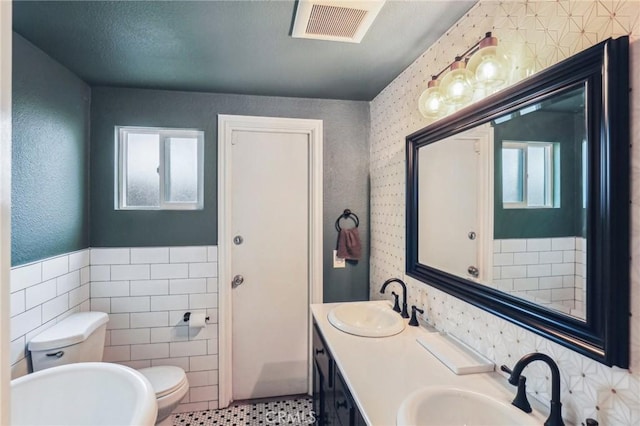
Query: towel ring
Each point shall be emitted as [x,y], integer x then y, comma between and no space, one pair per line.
[347,214]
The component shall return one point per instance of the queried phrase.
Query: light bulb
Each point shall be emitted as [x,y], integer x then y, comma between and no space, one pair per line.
[488,67]
[489,71]
[431,101]
[457,87]
[456,84]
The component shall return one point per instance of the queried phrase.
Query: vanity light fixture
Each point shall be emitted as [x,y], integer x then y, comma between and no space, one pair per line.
[488,66]
[431,100]
[478,72]
[457,84]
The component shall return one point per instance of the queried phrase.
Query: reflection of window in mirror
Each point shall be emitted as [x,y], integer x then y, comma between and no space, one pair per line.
[530,171]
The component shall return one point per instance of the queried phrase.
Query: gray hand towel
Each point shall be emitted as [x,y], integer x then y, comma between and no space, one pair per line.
[349,246]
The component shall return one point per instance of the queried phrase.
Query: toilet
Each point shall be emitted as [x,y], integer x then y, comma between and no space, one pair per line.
[80,338]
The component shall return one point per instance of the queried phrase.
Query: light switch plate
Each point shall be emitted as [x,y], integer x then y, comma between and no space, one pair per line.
[338,262]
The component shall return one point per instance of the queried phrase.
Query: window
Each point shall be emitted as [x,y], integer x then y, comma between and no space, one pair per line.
[159,169]
[529,174]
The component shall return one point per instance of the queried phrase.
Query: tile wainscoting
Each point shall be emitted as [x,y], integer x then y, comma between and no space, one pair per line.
[550,32]
[43,293]
[146,292]
[548,271]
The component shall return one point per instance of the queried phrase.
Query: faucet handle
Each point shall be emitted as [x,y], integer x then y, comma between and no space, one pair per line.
[414,319]
[509,371]
[521,400]
[396,305]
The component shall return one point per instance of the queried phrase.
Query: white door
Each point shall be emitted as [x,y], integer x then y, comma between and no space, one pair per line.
[449,209]
[270,218]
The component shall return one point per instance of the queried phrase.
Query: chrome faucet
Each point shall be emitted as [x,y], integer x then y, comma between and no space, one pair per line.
[404,313]
[555,416]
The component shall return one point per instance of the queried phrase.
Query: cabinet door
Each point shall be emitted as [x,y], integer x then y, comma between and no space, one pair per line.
[318,394]
[322,356]
[322,398]
[345,408]
[358,418]
[333,404]
[322,381]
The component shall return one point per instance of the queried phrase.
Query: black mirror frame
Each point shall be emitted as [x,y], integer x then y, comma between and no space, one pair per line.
[604,337]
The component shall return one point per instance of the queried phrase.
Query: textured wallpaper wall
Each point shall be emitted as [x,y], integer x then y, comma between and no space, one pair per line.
[550,31]
[50,154]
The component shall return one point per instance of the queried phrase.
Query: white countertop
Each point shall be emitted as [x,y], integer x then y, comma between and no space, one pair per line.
[381,372]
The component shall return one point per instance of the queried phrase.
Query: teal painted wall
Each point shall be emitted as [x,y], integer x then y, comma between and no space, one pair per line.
[568,129]
[50,169]
[346,170]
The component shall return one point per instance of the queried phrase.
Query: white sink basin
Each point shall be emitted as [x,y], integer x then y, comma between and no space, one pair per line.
[368,319]
[89,393]
[447,406]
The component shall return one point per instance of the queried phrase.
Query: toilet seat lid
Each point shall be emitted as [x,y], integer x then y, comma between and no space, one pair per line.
[164,379]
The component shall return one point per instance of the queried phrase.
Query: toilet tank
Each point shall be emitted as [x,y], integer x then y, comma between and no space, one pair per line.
[77,338]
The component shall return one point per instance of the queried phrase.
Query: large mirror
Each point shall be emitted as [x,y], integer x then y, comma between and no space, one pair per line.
[520,204]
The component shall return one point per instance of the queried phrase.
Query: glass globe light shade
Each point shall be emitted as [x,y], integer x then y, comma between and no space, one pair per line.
[457,84]
[521,70]
[489,67]
[519,60]
[431,101]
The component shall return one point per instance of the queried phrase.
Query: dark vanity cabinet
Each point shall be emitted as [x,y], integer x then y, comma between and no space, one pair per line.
[323,380]
[332,401]
[344,407]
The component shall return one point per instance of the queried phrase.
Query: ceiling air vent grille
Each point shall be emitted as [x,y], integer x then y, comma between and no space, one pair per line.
[335,20]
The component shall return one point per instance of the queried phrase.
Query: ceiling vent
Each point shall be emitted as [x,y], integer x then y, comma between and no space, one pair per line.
[345,20]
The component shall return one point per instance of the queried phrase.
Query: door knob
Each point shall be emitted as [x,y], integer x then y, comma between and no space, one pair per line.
[237,240]
[237,280]
[473,271]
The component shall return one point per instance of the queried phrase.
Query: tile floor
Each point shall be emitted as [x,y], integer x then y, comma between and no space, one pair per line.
[290,411]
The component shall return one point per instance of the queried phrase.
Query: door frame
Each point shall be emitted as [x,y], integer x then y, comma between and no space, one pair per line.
[484,148]
[486,202]
[227,124]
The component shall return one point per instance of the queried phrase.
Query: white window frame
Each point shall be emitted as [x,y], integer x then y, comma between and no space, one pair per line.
[164,135]
[550,196]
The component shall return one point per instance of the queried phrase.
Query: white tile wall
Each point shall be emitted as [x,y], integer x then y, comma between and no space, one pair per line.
[26,276]
[188,254]
[146,292]
[145,314]
[43,293]
[167,271]
[110,256]
[550,32]
[55,267]
[150,255]
[543,270]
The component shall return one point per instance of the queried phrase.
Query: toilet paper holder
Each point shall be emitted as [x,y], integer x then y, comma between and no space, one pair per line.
[187,315]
